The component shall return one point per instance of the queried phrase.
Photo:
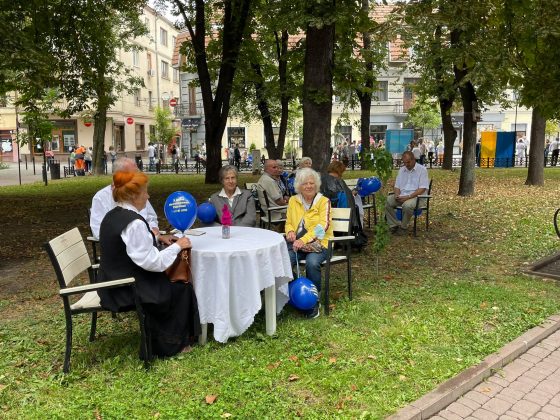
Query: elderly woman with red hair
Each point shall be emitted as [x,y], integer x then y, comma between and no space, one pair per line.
[129,249]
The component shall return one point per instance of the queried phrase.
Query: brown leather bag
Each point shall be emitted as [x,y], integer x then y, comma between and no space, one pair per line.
[180,270]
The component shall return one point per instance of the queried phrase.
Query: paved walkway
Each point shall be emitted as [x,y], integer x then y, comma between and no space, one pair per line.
[520,381]
[10,176]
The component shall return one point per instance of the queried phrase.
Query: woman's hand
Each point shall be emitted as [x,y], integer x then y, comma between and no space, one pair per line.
[297,245]
[291,236]
[184,242]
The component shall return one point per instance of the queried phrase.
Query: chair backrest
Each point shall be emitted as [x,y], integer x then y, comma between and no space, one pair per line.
[430,187]
[351,182]
[341,220]
[68,255]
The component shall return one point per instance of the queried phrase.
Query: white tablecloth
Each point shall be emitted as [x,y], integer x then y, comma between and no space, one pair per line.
[228,275]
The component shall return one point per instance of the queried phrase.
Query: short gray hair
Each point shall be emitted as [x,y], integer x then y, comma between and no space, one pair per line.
[303,175]
[125,164]
[224,170]
[303,160]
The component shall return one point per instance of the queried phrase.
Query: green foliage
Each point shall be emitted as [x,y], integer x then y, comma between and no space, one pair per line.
[424,114]
[552,128]
[36,119]
[381,163]
[164,130]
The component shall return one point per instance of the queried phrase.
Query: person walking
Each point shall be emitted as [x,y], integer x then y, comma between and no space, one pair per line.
[554,149]
[237,157]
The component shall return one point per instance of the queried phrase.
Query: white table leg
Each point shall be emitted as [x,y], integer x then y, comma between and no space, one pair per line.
[203,334]
[270,309]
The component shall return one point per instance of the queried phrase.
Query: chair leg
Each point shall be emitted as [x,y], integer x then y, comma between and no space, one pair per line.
[327,286]
[145,340]
[349,272]
[415,218]
[427,218]
[68,352]
[374,210]
[93,326]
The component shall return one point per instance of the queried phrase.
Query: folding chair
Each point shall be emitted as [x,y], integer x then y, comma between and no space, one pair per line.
[70,260]
[341,222]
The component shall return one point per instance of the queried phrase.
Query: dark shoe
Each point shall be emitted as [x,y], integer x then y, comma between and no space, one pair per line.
[313,313]
[401,232]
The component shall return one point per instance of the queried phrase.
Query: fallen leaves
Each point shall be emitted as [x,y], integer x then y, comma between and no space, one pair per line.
[293,378]
[210,399]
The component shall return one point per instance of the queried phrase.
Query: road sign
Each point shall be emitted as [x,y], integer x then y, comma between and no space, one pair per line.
[173,102]
[130,120]
[88,123]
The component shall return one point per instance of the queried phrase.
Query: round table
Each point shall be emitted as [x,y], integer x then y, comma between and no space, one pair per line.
[229,274]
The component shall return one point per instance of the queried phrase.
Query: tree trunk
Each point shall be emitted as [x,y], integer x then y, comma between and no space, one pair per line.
[468,164]
[364,95]
[262,105]
[99,127]
[317,94]
[449,133]
[535,174]
[216,105]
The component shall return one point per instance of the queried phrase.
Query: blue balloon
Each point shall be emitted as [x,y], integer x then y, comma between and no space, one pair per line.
[368,186]
[180,210]
[303,293]
[206,212]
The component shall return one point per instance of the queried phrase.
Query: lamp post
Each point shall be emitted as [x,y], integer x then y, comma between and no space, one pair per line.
[516,97]
[42,145]
[15,139]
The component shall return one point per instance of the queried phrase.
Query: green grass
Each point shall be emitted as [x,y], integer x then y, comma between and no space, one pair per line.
[441,303]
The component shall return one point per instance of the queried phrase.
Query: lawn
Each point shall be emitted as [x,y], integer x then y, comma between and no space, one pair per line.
[440,303]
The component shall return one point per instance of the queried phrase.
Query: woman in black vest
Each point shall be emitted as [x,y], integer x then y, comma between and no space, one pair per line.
[129,250]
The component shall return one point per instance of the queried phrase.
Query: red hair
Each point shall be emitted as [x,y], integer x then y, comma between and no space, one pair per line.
[128,185]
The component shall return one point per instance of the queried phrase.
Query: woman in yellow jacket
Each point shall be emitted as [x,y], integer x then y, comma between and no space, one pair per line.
[308,226]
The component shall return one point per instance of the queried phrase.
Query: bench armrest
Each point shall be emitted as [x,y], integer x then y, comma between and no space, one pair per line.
[92,239]
[342,238]
[424,196]
[276,208]
[96,286]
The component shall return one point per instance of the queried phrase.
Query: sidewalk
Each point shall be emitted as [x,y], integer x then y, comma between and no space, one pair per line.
[520,381]
[10,176]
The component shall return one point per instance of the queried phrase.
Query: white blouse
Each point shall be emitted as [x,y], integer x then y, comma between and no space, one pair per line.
[140,247]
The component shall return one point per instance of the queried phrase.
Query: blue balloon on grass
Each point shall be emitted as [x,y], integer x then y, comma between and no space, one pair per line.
[368,186]
[180,210]
[206,212]
[303,293]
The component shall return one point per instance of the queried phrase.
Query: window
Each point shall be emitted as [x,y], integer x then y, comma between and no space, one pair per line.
[140,136]
[176,75]
[55,143]
[163,36]
[345,131]
[150,99]
[164,69]
[382,92]
[173,41]
[135,58]
[409,96]
[377,132]
[137,97]
[118,140]
[149,60]
[236,135]
[152,131]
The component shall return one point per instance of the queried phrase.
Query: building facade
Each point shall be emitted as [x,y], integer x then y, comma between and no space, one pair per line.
[130,121]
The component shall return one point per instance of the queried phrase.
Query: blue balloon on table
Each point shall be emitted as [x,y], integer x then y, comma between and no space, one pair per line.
[206,212]
[180,210]
[303,293]
[368,186]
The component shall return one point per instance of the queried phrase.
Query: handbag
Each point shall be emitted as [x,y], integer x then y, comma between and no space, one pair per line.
[180,270]
[313,246]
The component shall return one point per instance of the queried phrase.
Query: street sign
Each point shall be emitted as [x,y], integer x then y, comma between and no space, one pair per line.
[130,120]
[173,102]
[88,123]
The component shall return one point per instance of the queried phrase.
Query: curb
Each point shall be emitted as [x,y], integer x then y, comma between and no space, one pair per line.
[452,389]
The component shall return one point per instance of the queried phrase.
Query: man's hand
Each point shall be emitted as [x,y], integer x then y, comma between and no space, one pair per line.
[402,198]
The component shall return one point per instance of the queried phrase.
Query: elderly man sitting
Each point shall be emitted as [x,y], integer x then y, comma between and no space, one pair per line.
[412,181]
[269,182]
